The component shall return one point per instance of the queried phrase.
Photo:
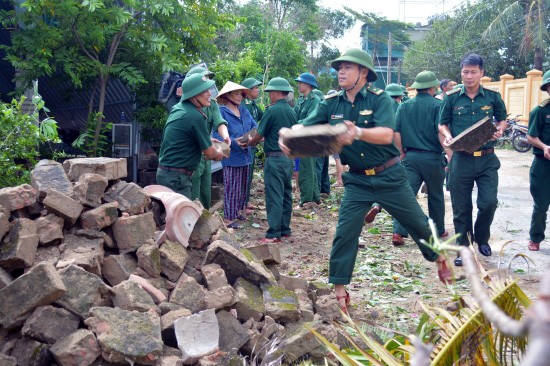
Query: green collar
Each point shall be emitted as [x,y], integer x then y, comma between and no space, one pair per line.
[480,91]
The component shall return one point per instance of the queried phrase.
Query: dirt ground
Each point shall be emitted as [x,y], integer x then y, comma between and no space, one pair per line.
[390,281]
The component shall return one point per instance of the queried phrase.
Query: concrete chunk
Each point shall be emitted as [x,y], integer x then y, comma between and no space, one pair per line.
[214,275]
[18,248]
[90,188]
[42,285]
[4,224]
[77,349]
[167,325]
[173,257]
[118,268]
[100,217]
[232,333]
[109,168]
[84,291]
[220,298]
[267,253]
[131,198]
[15,198]
[48,231]
[131,232]
[299,341]
[149,259]
[238,264]
[6,360]
[50,174]
[206,226]
[128,295]
[84,252]
[5,278]
[293,283]
[63,205]
[48,324]
[248,301]
[189,294]
[127,336]
[29,352]
[197,335]
[281,305]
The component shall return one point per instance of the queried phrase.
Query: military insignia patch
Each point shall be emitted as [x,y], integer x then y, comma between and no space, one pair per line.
[366,112]
[337,116]
[485,107]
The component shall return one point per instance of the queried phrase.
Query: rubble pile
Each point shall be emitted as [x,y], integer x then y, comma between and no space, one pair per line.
[90,276]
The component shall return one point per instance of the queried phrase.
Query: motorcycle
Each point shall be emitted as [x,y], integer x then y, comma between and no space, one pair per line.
[519,139]
[508,133]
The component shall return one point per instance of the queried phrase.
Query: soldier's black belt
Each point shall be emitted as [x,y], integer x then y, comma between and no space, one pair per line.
[377,169]
[274,154]
[479,153]
[179,170]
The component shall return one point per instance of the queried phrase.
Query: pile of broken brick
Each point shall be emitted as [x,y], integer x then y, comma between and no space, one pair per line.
[91,273]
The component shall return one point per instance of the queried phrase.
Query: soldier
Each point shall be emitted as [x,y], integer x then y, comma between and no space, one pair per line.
[375,172]
[539,137]
[446,85]
[394,90]
[307,175]
[202,178]
[250,103]
[322,164]
[278,168]
[185,136]
[462,108]
[406,92]
[416,137]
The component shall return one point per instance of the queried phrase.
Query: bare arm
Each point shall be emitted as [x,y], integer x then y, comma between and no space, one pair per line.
[375,135]
[446,132]
[224,133]
[214,153]
[536,142]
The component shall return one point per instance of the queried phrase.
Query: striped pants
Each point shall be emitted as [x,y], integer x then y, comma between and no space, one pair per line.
[235,183]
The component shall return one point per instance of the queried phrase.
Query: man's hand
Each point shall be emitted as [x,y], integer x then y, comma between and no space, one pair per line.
[240,142]
[219,154]
[283,147]
[349,137]
[498,134]
[546,152]
[179,92]
[447,140]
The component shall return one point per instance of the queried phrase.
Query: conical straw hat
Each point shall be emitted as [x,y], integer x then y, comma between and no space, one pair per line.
[231,86]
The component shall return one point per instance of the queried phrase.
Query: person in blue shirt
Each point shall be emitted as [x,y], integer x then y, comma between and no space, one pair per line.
[236,166]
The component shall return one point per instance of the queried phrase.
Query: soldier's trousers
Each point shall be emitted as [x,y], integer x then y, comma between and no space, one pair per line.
[176,181]
[307,180]
[278,195]
[539,177]
[202,183]
[464,171]
[428,167]
[391,189]
[323,179]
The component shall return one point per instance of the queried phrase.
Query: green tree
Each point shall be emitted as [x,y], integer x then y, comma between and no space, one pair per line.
[83,39]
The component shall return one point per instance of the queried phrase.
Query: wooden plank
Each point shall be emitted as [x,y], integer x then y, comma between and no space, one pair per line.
[319,140]
[474,136]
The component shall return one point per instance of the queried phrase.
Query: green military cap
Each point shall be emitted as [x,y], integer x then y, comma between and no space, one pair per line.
[394,90]
[359,57]
[545,80]
[278,84]
[404,89]
[318,93]
[195,84]
[425,80]
[202,71]
[250,83]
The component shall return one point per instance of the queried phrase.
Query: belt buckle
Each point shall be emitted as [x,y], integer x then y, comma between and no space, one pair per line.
[370,172]
[478,153]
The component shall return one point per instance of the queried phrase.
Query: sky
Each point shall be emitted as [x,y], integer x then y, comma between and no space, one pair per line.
[410,11]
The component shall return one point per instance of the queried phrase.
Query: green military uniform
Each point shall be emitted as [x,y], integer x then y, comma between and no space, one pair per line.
[371,108]
[539,176]
[185,136]
[278,168]
[459,112]
[417,122]
[322,163]
[202,178]
[307,176]
[257,114]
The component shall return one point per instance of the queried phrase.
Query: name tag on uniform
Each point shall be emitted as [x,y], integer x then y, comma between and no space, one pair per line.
[366,112]
[337,116]
[485,107]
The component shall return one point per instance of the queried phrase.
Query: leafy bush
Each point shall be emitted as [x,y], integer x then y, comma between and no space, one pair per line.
[20,135]
[85,141]
[152,121]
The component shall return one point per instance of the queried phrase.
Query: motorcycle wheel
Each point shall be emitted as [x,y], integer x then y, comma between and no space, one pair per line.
[520,145]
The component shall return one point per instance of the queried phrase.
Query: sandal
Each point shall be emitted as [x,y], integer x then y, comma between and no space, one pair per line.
[347,301]
[269,240]
[444,273]
[533,246]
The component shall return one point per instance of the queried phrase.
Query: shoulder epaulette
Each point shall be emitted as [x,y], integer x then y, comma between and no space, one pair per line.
[544,103]
[334,95]
[489,89]
[374,90]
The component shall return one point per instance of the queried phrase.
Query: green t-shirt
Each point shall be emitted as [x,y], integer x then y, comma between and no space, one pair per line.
[253,108]
[417,122]
[539,124]
[306,105]
[185,137]
[372,108]
[275,117]
[459,111]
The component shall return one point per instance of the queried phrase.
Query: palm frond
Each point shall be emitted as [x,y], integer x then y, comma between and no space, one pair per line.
[500,25]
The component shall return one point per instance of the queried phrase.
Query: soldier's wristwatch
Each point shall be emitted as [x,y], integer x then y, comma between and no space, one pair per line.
[358,133]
